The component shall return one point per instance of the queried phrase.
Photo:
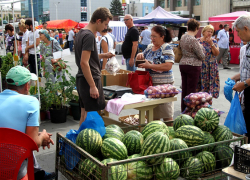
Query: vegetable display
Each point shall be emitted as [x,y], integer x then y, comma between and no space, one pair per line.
[161,91]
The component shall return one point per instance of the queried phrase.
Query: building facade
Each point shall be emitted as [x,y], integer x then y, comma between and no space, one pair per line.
[240,5]
[139,9]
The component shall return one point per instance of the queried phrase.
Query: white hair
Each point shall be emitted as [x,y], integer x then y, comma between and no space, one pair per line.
[242,21]
[131,17]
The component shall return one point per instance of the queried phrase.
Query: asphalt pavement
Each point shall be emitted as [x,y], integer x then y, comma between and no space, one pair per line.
[46,158]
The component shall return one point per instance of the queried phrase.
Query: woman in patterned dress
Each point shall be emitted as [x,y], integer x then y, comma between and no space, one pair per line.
[159,58]
[209,78]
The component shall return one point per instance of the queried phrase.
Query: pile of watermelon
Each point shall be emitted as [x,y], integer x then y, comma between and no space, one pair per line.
[155,138]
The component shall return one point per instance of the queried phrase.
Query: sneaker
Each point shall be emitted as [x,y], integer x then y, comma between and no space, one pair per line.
[49,176]
[226,68]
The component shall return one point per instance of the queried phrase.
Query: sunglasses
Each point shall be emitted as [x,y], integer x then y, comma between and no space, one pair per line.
[126,19]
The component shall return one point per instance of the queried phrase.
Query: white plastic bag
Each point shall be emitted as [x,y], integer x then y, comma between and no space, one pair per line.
[112,66]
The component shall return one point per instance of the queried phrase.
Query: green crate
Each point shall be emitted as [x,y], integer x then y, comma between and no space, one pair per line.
[104,172]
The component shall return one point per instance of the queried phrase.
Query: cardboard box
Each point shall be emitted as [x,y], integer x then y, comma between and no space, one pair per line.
[119,79]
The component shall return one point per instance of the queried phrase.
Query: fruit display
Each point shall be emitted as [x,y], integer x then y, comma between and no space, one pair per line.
[161,91]
[208,160]
[182,120]
[113,133]
[192,168]
[223,155]
[133,141]
[87,168]
[177,144]
[208,139]
[222,133]
[155,126]
[171,133]
[114,126]
[133,119]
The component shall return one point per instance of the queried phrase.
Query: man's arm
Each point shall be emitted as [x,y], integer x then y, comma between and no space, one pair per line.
[104,46]
[236,77]
[41,139]
[134,50]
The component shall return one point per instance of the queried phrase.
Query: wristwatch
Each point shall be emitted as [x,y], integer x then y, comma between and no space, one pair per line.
[212,45]
[245,84]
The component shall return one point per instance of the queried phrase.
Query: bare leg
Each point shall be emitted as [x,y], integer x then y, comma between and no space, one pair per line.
[168,119]
[83,116]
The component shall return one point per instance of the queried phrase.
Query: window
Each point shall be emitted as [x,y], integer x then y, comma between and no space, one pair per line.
[197,2]
[168,3]
[83,3]
[162,3]
[179,3]
[186,2]
[198,18]
[83,16]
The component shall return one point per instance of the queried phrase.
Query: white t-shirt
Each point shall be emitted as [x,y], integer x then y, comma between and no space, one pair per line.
[110,43]
[71,35]
[242,54]
[31,42]
[24,41]
[98,43]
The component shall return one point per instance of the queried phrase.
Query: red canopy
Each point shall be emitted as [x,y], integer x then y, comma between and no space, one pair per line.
[81,25]
[66,24]
[229,16]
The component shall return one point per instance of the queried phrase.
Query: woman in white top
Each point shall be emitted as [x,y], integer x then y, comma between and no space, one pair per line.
[106,45]
[22,27]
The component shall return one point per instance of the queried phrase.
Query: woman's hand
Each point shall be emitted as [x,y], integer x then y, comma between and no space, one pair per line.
[145,65]
[54,61]
[140,56]
[109,55]
[209,40]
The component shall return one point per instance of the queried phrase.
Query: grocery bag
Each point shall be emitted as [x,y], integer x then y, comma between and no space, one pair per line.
[228,89]
[112,66]
[235,119]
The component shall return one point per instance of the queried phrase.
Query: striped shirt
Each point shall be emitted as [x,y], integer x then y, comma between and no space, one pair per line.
[162,55]
[245,68]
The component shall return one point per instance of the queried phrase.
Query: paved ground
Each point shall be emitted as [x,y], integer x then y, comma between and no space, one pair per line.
[46,158]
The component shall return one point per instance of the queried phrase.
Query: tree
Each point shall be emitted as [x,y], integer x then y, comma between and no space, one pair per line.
[116,8]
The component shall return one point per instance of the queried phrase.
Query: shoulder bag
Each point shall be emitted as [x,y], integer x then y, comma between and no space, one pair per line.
[178,53]
[60,64]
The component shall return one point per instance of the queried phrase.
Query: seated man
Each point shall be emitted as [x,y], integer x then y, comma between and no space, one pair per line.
[21,112]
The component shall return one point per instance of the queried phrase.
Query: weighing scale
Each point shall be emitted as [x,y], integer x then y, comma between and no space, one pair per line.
[111,92]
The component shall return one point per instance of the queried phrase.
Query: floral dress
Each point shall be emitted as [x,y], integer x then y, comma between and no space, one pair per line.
[209,78]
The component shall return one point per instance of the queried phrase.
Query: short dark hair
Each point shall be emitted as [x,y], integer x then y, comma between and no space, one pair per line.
[101,13]
[9,27]
[20,33]
[44,23]
[28,22]
[193,25]
[162,32]
[105,30]
[109,29]
[60,31]
[13,87]
[220,26]
[226,25]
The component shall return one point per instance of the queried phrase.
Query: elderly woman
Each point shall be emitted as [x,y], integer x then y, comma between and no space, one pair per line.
[48,46]
[159,58]
[191,61]
[209,77]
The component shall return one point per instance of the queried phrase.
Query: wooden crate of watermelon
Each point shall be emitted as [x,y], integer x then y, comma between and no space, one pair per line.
[192,148]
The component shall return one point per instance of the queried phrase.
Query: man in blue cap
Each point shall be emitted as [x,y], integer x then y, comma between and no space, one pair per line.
[20,111]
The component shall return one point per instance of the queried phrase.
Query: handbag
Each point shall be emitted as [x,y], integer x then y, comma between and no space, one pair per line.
[59,65]
[177,53]
[139,81]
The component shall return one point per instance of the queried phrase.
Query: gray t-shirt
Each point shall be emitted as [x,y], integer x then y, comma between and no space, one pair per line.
[85,41]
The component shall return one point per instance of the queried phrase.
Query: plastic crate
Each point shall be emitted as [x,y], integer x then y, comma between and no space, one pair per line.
[242,160]
[122,119]
[105,172]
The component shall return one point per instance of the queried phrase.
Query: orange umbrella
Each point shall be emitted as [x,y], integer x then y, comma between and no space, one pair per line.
[81,25]
[66,24]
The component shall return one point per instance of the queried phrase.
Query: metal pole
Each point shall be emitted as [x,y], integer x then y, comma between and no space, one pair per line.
[56,11]
[89,10]
[12,5]
[34,31]
[3,31]
[8,15]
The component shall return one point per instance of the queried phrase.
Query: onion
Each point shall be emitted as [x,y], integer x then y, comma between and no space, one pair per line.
[149,96]
[163,95]
[188,104]
[157,95]
[154,90]
[153,95]
[197,102]
[203,99]
[164,90]
[172,95]
[167,95]
[150,91]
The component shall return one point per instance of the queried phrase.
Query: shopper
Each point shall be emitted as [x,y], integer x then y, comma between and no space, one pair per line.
[220,28]
[45,26]
[159,58]
[113,37]
[57,36]
[145,36]
[191,61]
[130,44]
[71,39]
[88,78]
[10,39]
[209,77]
[60,38]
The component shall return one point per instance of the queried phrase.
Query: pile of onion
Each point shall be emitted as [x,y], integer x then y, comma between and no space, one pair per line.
[161,91]
[198,99]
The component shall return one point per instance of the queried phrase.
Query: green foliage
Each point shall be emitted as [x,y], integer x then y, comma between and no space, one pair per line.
[43,98]
[7,64]
[116,8]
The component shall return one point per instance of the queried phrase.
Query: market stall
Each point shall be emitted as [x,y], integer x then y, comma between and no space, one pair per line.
[81,25]
[66,24]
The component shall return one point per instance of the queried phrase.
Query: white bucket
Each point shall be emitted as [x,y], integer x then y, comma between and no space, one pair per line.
[248,176]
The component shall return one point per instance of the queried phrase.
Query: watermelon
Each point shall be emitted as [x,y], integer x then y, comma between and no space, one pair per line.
[171,133]
[208,139]
[115,127]
[139,169]
[223,155]
[117,172]
[192,168]
[222,133]
[182,120]
[133,141]
[168,170]
[154,126]
[177,144]
[113,133]
[155,143]
[208,160]
[114,148]
[206,119]
[87,168]
[89,140]
[192,135]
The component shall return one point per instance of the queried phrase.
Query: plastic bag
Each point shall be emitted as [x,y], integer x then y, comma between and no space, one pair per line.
[112,66]
[123,61]
[161,91]
[228,89]
[235,119]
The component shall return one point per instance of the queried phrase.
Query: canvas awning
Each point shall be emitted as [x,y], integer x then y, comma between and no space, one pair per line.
[65,24]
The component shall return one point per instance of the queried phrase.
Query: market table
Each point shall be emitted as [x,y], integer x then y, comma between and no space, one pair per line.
[235,174]
[143,107]
[235,52]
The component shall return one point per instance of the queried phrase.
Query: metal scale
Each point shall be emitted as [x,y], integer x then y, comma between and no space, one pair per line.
[111,92]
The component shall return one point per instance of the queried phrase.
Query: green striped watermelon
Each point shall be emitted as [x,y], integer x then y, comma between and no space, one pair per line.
[208,160]
[208,139]
[182,120]
[223,155]
[177,144]
[222,133]
[114,148]
[155,143]
[115,127]
[133,140]
[206,119]
[116,172]
[168,170]
[171,133]
[139,169]
[113,133]
[192,135]
[192,168]
[89,140]
[87,168]
[155,126]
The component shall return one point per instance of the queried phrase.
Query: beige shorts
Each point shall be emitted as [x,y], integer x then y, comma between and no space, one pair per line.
[164,110]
